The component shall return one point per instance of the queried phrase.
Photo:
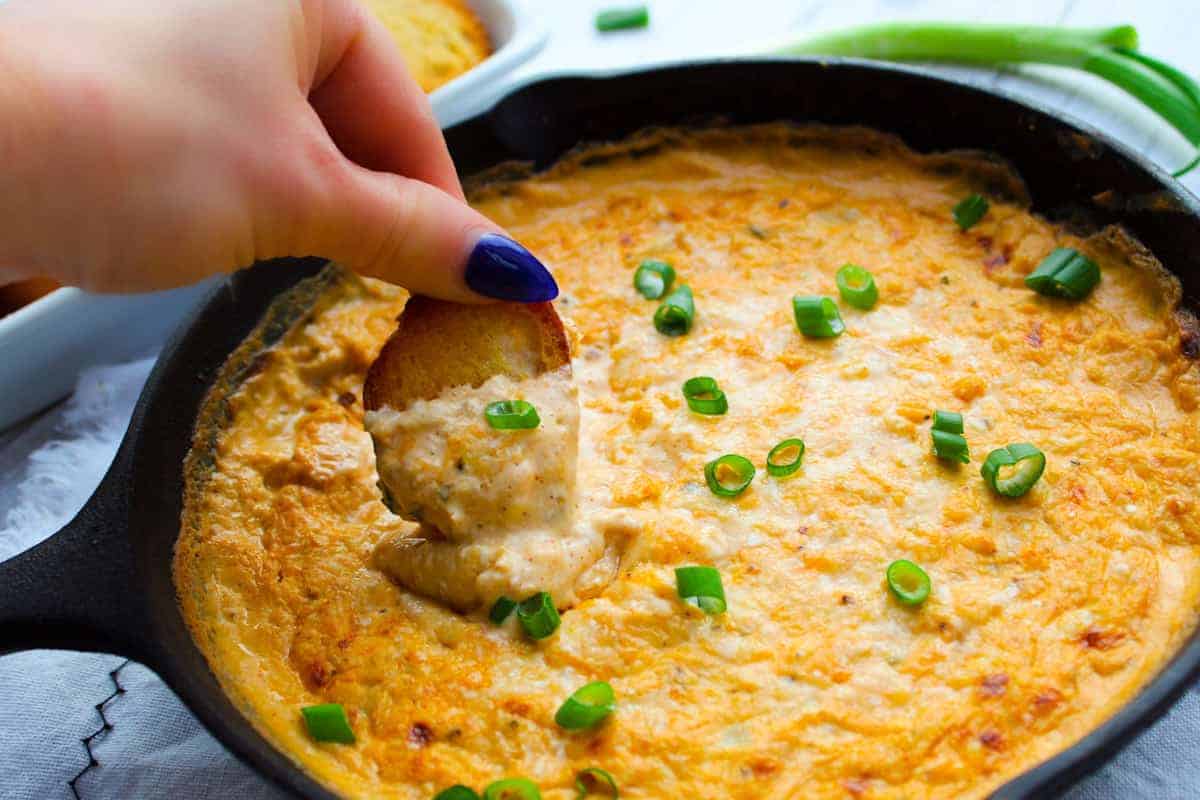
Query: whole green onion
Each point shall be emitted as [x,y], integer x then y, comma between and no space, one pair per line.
[817,317]
[701,586]
[717,470]
[586,707]
[704,396]
[619,19]
[674,317]
[501,609]
[1013,470]
[596,777]
[328,723]
[512,789]
[457,792]
[511,415]
[857,287]
[1110,53]
[653,278]
[538,616]
[781,469]
[970,210]
[1066,272]
[948,441]
[908,582]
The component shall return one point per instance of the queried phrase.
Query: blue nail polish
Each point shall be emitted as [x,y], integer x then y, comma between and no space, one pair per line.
[499,267]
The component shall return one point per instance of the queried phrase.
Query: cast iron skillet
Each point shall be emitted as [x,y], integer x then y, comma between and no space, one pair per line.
[104,582]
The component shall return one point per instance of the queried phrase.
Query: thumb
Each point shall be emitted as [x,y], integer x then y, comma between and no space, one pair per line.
[413,234]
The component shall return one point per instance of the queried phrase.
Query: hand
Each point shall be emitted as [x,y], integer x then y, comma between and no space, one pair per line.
[147,145]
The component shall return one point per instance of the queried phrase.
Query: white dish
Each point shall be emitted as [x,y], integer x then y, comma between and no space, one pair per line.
[516,35]
[45,345]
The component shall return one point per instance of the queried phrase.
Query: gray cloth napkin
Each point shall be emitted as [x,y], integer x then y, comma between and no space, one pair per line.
[61,711]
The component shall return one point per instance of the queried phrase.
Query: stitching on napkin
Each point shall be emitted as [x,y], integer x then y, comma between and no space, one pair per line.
[114,675]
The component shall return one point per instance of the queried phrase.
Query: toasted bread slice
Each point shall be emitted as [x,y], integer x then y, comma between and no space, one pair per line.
[440,345]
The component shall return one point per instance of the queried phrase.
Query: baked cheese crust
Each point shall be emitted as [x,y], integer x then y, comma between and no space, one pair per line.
[440,39]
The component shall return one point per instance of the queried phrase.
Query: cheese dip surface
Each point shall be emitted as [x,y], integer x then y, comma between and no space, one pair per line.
[1047,612]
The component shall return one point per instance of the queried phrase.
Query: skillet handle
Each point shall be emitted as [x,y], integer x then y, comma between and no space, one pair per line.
[78,590]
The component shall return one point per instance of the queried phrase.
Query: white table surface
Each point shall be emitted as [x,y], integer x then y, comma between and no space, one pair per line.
[175,758]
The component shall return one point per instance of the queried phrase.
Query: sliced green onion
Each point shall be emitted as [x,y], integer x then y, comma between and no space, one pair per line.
[587,780]
[1013,470]
[817,317]
[970,210]
[948,421]
[948,441]
[701,586]
[950,446]
[704,396]
[512,789]
[729,475]
[457,792]
[619,19]
[908,582]
[501,609]
[511,415]
[328,723]
[785,458]
[586,707]
[538,616]
[653,278]
[857,287]
[674,317]
[1066,272]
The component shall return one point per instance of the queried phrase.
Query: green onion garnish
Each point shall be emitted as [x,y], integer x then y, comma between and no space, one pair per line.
[328,723]
[857,287]
[1066,272]
[908,582]
[1013,470]
[653,278]
[785,458]
[729,475]
[457,792]
[674,317]
[970,210]
[817,317]
[511,415]
[1110,53]
[950,446]
[592,778]
[512,789]
[704,396]
[501,609]
[538,616]
[619,19]
[948,441]
[586,707]
[948,421]
[701,586]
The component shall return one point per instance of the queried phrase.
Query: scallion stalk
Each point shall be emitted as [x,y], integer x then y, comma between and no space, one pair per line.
[1109,53]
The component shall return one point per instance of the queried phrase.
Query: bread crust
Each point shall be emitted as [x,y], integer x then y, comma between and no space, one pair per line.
[438,345]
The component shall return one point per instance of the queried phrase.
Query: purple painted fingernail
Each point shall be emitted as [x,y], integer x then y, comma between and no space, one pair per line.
[499,267]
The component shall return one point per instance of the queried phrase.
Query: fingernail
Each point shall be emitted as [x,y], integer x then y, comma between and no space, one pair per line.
[499,267]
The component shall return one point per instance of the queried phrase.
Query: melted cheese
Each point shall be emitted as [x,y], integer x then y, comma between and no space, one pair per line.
[1047,612]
